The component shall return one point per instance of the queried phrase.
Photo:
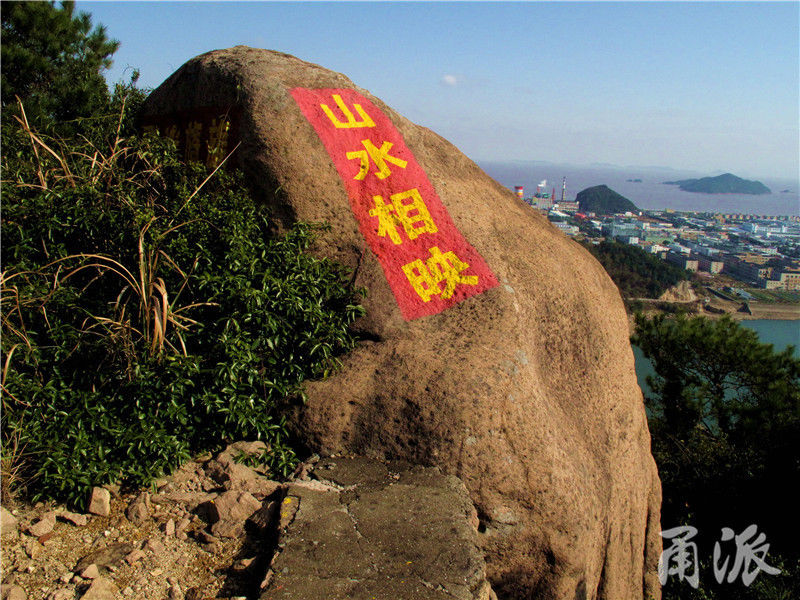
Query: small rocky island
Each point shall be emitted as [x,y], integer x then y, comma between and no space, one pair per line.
[722,184]
[602,200]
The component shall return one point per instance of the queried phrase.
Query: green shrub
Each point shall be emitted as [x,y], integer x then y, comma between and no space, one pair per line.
[783,586]
[637,273]
[147,317]
[724,418]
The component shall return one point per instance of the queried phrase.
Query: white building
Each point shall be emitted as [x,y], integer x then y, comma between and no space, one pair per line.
[567,228]
[678,249]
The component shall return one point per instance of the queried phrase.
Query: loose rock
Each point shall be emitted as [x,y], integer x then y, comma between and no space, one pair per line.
[134,556]
[111,555]
[189,499]
[44,525]
[154,545]
[8,522]
[100,502]
[13,592]
[205,538]
[90,572]
[101,589]
[232,475]
[182,525]
[33,548]
[74,518]
[139,508]
[228,529]
[233,506]
[184,473]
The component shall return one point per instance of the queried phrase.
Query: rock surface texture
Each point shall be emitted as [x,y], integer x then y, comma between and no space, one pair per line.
[526,391]
[344,527]
[364,530]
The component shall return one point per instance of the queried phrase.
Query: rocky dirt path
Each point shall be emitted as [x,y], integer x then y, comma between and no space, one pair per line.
[342,528]
[364,529]
[189,540]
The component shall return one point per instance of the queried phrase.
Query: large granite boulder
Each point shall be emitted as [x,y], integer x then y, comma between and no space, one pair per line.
[494,347]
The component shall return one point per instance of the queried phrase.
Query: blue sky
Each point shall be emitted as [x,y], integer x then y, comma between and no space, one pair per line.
[709,87]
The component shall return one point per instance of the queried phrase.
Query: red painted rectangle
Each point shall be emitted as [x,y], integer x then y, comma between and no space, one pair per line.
[427,262]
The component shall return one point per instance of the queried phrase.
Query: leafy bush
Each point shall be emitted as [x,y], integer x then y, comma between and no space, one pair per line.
[148,315]
[783,586]
[637,273]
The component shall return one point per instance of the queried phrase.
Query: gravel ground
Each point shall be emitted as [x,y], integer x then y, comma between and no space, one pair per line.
[168,552]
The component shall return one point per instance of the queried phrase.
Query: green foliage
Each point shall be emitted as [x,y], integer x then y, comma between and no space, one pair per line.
[637,273]
[53,60]
[783,586]
[673,308]
[775,296]
[148,316]
[250,459]
[602,200]
[725,419]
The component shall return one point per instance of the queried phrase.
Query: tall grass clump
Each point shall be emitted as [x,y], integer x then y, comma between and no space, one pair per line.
[147,311]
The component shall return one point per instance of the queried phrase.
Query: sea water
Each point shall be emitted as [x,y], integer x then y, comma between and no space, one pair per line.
[779,333]
[651,193]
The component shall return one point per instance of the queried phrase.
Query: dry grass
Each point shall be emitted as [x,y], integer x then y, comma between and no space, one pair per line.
[145,308]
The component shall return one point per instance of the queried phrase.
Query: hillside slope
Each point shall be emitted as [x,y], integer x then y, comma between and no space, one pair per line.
[602,200]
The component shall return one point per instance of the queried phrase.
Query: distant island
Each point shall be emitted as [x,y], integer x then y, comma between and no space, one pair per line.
[722,184]
[602,200]
[634,180]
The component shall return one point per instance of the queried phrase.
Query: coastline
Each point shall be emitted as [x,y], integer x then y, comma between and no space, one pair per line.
[767,311]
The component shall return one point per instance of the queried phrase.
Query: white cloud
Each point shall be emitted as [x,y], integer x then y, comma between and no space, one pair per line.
[450,80]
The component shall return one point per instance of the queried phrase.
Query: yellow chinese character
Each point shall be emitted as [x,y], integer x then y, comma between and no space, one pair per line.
[194,131]
[425,277]
[217,141]
[386,220]
[407,215]
[173,133]
[447,267]
[420,279]
[350,119]
[380,155]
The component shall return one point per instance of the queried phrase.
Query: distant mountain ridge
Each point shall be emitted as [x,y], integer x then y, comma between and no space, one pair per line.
[722,184]
[602,200]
